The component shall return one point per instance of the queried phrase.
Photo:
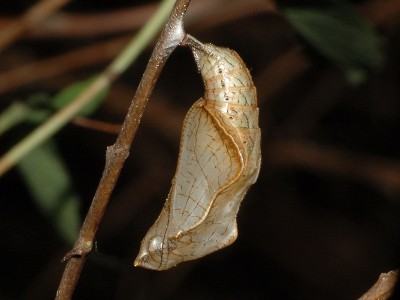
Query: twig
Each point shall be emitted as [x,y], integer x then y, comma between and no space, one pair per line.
[383,288]
[230,10]
[170,38]
[384,174]
[61,118]
[60,64]
[67,25]
[97,125]
[80,25]
[102,51]
[33,16]
[315,106]
[383,13]
[283,70]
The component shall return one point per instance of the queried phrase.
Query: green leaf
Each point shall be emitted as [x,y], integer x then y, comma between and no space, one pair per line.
[33,110]
[51,186]
[40,106]
[68,94]
[13,116]
[340,34]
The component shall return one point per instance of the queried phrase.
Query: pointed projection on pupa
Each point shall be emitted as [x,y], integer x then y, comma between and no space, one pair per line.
[219,160]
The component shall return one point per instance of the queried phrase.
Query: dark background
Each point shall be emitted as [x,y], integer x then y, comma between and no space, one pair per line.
[322,221]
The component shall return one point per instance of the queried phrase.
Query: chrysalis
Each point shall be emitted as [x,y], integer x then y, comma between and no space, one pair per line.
[219,160]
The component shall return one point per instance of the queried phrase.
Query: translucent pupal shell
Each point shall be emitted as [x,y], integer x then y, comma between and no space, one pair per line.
[219,160]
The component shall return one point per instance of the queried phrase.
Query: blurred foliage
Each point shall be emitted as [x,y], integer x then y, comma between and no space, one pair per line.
[71,92]
[51,186]
[340,34]
[37,108]
[43,170]
[34,110]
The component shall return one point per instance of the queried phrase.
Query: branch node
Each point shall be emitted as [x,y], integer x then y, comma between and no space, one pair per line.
[115,151]
[79,250]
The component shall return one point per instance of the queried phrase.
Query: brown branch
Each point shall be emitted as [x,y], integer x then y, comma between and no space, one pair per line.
[66,25]
[70,25]
[227,11]
[102,51]
[283,70]
[97,125]
[384,174]
[170,38]
[383,288]
[60,64]
[32,17]
[316,104]
[384,14]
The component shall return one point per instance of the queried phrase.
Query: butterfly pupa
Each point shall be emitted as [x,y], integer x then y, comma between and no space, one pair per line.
[219,159]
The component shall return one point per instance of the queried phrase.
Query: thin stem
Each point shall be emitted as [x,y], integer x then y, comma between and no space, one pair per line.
[192,42]
[102,51]
[384,288]
[60,119]
[97,125]
[35,15]
[384,174]
[170,38]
